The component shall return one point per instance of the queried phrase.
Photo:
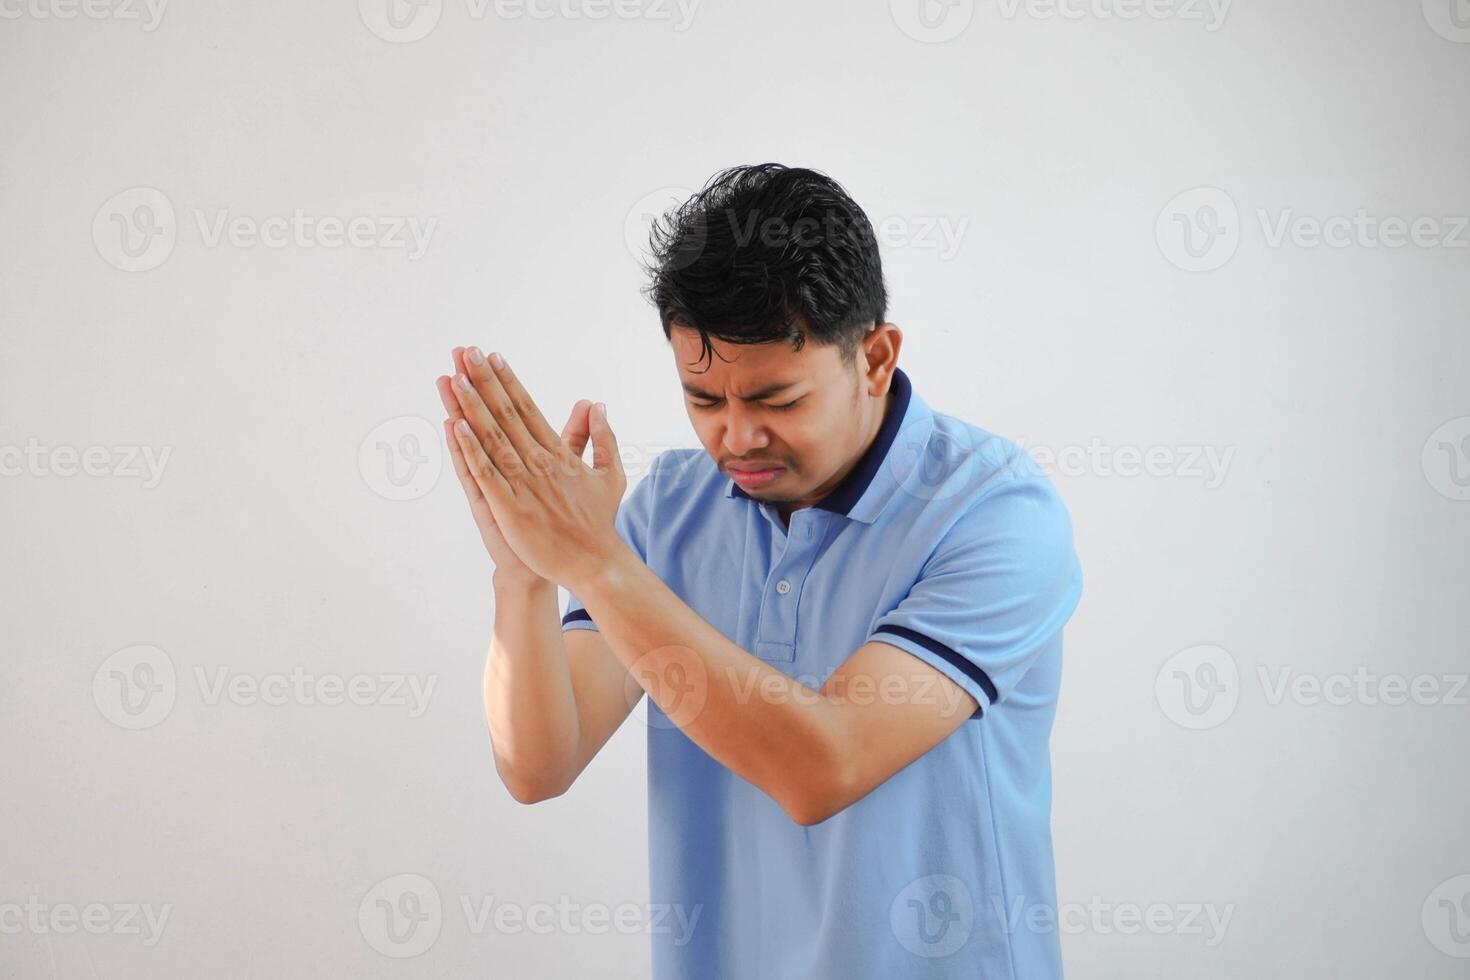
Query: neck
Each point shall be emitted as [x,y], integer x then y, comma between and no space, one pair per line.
[874,425]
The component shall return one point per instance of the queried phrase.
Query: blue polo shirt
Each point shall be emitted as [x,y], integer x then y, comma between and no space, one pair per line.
[949,543]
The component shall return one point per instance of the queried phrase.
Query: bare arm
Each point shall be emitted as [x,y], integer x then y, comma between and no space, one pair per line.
[550,703]
[813,752]
[552,700]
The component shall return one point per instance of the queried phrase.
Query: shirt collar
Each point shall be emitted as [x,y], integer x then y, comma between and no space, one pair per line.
[870,484]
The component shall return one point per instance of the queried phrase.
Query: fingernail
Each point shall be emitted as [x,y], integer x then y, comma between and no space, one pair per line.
[602,410]
[462,427]
[475,356]
[463,382]
[496,359]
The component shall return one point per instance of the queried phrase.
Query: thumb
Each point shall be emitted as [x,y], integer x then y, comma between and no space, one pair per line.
[605,454]
[575,433]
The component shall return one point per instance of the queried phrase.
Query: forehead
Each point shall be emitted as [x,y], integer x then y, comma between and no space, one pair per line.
[744,365]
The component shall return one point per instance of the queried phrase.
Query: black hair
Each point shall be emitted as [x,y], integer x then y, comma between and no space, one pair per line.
[768,252]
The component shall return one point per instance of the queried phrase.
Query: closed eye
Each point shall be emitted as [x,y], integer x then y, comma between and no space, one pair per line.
[775,408]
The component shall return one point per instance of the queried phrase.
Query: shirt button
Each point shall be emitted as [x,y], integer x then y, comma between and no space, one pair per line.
[783,586]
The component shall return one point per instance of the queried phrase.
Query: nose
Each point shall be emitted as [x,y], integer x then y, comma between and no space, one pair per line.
[744,434]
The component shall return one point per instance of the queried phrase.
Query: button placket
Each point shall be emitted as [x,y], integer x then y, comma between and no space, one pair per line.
[777,634]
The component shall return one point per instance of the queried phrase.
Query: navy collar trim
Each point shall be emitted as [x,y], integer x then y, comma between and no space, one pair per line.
[846,494]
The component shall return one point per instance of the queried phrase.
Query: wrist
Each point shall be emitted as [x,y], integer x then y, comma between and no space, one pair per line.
[606,576]
[508,583]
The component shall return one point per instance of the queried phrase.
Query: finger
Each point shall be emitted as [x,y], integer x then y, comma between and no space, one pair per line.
[492,483]
[478,506]
[576,433]
[461,469]
[503,391]
[446,395]
[457,356]
[605,456]
[487,431]
[446,392]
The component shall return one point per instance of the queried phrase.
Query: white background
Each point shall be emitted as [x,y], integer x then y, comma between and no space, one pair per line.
[1055,143]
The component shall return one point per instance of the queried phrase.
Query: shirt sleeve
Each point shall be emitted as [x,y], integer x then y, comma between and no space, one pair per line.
[1000,584]
[632,522]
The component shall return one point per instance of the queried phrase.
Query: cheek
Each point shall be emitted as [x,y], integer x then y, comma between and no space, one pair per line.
[702,426]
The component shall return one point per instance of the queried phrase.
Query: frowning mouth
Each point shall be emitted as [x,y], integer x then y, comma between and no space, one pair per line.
[756,477]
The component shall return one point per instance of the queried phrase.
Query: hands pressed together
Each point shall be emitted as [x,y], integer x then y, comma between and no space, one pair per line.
[543,513]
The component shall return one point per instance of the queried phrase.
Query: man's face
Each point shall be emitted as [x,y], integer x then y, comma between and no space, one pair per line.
[798,418]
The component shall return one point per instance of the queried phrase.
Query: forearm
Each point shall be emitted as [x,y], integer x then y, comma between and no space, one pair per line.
[771,730]
[529,703]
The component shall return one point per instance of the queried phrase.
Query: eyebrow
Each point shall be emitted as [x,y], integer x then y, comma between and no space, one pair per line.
[754,396]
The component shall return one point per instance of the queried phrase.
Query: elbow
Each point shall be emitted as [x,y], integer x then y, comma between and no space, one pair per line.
[811,814]
[821,793]
[528,789]
[527,794]
[813,809]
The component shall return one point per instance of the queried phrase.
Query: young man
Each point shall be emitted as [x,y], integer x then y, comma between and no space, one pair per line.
[846,612]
